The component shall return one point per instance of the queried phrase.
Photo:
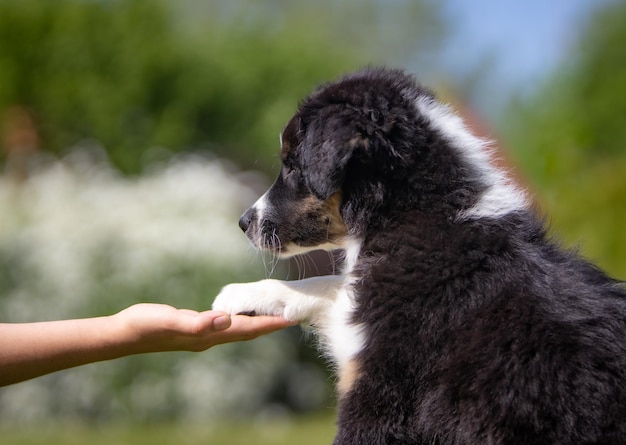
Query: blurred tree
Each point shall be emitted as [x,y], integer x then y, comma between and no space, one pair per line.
[88,70]
[142,74]
[571,140]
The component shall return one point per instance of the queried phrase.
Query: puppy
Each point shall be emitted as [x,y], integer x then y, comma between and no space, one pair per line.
[455,320]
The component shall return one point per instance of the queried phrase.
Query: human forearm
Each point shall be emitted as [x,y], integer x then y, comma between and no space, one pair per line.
[29,350]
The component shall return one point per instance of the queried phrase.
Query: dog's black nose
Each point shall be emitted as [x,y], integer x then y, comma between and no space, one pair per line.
[246,219]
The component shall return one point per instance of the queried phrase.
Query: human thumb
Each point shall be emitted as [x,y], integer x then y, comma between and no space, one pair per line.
[222,322]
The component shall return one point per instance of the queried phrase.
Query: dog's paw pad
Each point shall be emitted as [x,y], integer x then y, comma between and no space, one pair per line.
[251,313]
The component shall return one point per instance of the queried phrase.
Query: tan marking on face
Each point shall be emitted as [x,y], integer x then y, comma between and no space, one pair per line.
[348,375]
[327,214]
[336,226]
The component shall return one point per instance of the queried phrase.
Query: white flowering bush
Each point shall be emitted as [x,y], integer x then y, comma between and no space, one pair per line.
[79,240]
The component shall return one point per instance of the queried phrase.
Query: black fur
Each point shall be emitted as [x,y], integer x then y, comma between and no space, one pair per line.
[484,333]
[478,330]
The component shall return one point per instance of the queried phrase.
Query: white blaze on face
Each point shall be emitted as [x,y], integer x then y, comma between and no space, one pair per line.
[259,206]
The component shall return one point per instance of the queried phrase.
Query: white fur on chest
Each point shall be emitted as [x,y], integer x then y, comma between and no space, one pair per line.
[343,339]
[347,338]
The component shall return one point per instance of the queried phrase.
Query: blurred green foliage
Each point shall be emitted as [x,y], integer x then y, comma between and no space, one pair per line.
[119,72]
[140,75]
[570,137]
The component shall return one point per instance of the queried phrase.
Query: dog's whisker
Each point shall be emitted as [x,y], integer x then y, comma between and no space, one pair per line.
[302,270]
[328,229]
[301,263]
[275,248]
[268,258]
[332,261]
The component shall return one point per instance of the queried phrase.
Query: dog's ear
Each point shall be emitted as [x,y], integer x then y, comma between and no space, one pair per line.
[325,154]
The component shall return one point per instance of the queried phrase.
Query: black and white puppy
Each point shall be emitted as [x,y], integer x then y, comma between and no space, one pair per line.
[456,320]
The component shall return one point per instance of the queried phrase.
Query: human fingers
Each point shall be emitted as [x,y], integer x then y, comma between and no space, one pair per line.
[244,327]
[259,324]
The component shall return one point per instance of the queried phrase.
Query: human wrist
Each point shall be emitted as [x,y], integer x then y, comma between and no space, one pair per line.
[123,335]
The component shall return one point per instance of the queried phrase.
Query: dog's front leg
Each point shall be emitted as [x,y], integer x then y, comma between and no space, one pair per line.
[301,300]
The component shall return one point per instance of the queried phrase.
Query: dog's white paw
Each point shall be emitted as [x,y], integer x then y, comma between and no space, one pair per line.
[301,301]
[249,299]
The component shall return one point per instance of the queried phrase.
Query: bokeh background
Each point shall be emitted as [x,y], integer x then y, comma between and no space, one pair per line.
[134,133]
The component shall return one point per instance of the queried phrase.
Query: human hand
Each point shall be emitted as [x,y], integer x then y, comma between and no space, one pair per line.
[32,349]
[151,327]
